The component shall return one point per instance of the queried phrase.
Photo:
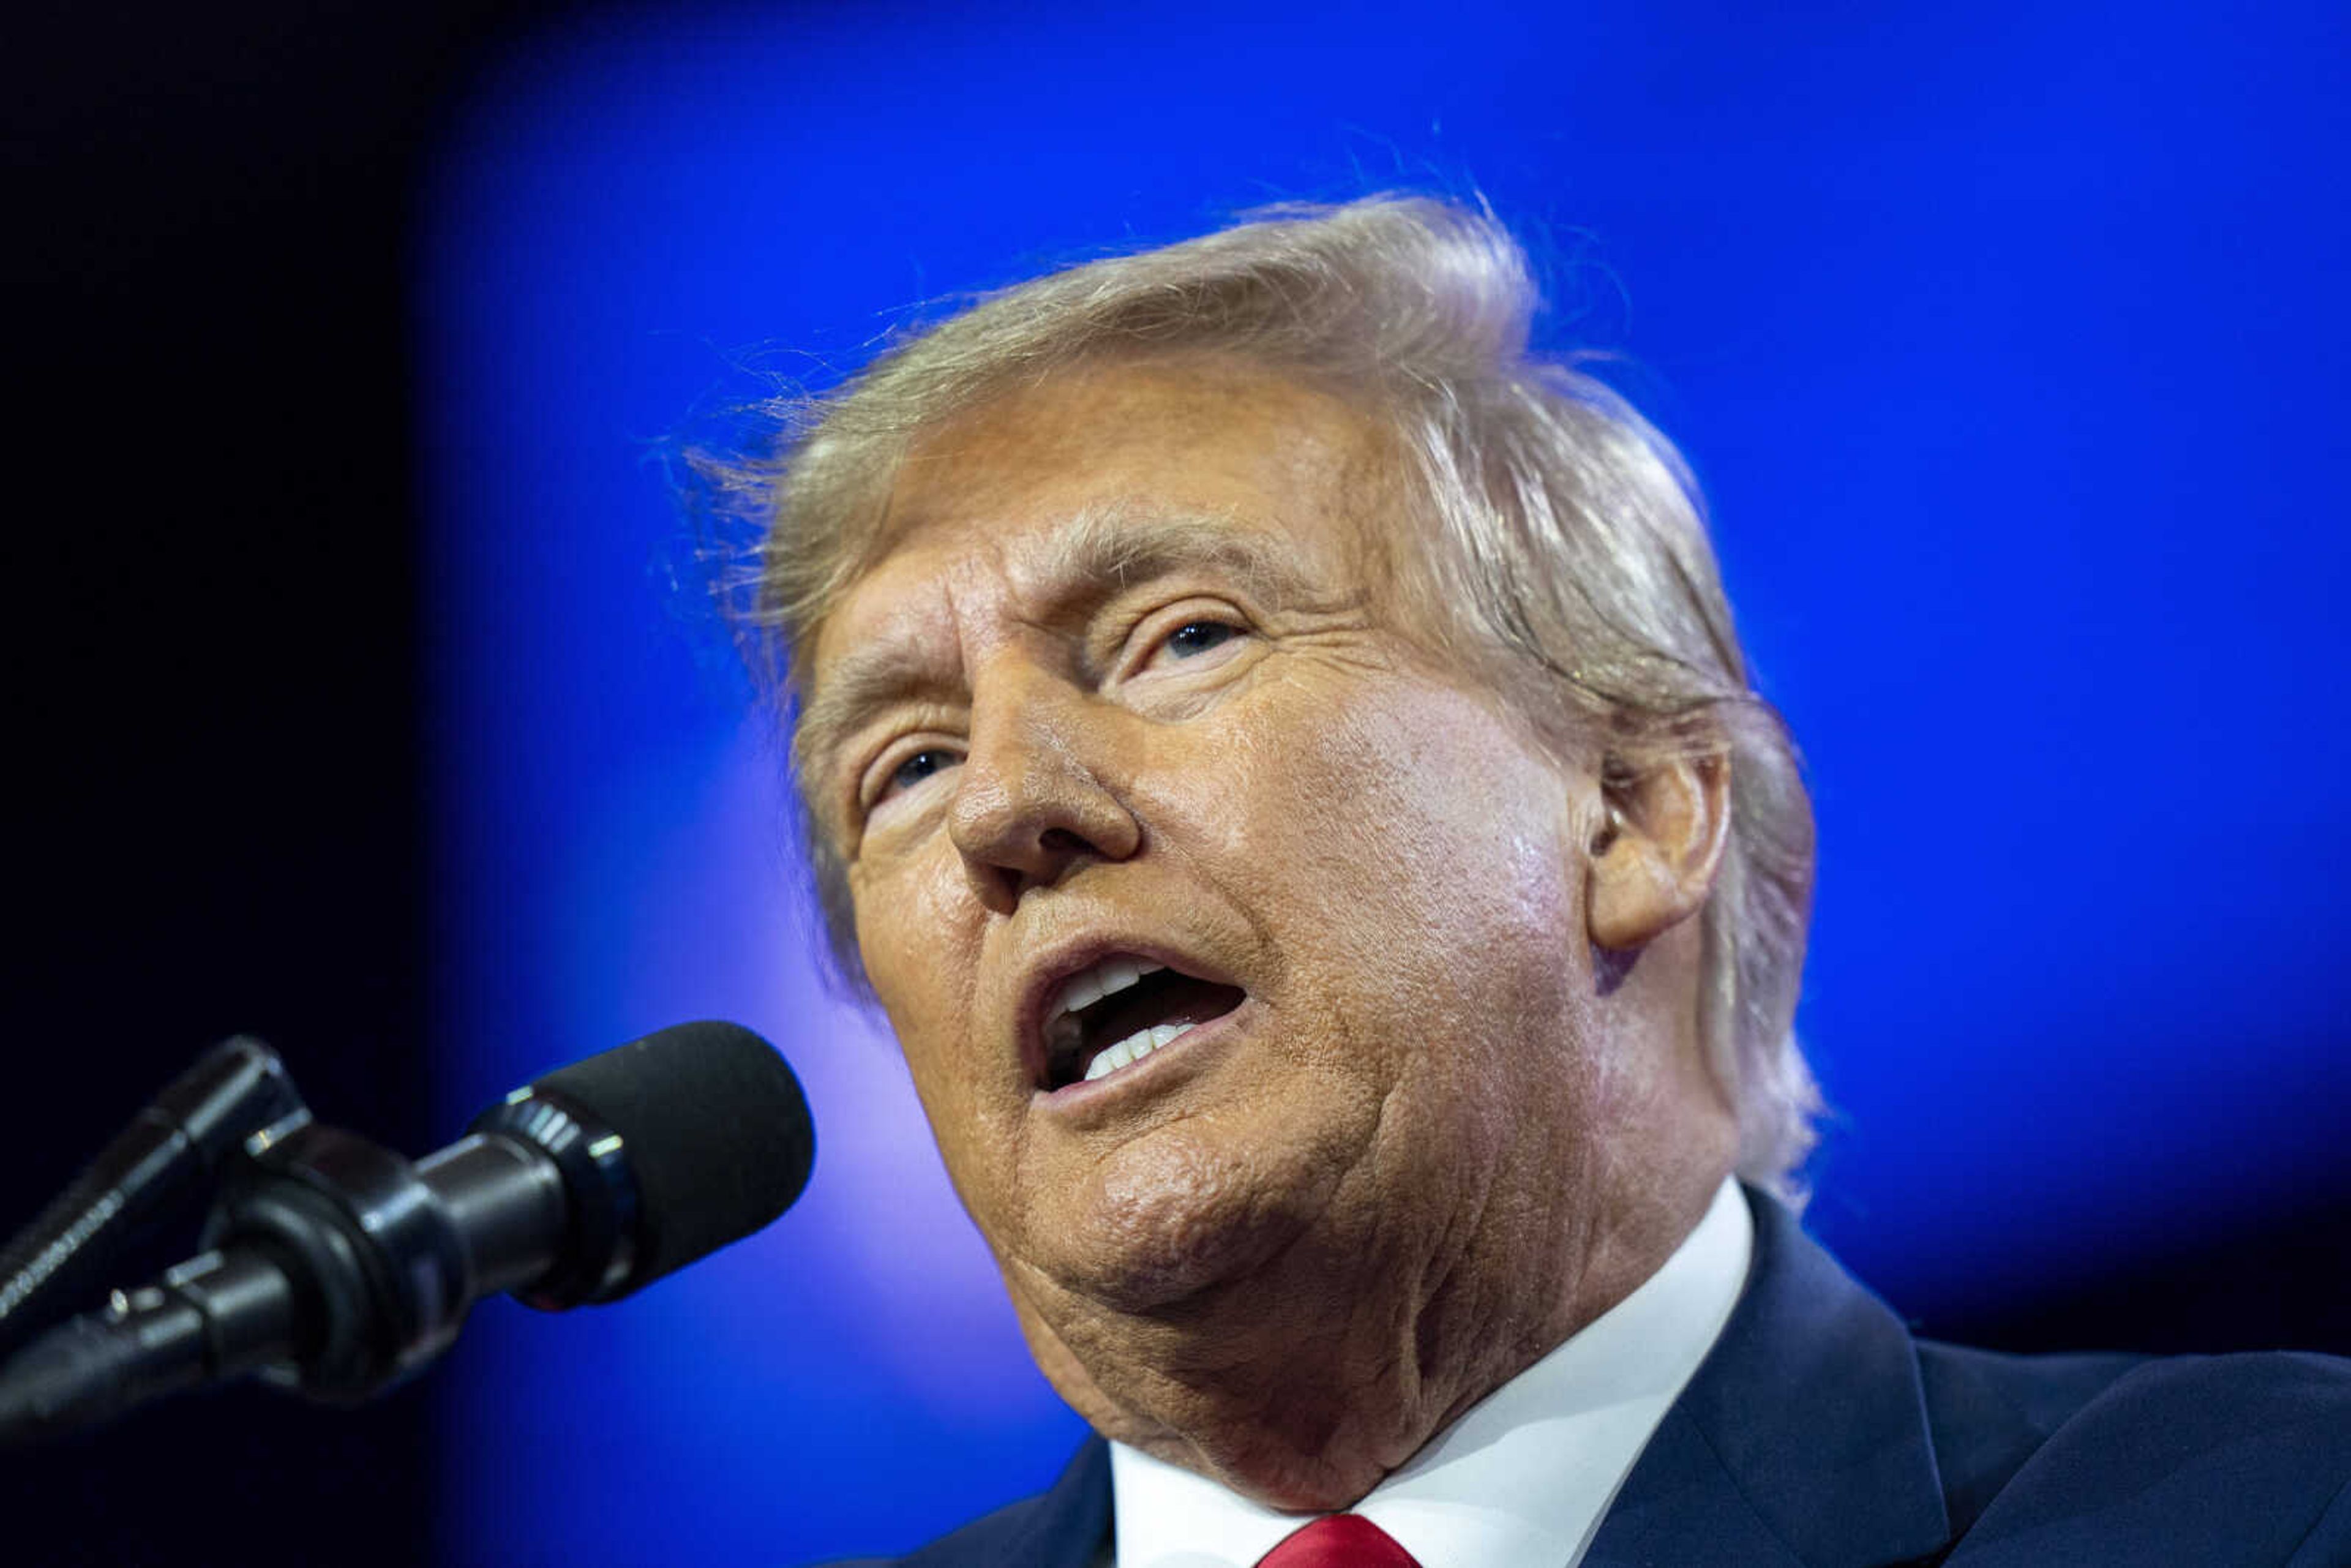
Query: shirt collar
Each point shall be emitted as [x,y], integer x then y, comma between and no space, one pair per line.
[1522,1478]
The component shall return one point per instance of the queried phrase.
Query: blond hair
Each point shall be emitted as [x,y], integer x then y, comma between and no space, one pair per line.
[1567,547]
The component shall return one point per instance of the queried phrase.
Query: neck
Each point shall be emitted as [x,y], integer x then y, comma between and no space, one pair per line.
[1305,1385]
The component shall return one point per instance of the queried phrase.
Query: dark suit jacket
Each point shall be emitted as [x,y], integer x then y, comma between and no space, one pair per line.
[1819,1434]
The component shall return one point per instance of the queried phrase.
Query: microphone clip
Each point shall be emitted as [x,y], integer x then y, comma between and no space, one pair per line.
[372,1278]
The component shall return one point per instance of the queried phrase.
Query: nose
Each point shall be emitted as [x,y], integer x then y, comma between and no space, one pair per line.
[1032,800]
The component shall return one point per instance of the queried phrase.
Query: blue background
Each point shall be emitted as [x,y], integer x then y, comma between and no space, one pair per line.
[2008,341]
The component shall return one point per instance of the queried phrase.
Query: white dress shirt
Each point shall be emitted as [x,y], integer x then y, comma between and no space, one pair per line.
[1522,1478]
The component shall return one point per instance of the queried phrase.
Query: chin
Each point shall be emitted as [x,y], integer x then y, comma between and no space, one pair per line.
[1186,1211]
[1154,1236]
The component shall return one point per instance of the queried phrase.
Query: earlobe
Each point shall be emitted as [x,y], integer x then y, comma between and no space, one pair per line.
[1654,859]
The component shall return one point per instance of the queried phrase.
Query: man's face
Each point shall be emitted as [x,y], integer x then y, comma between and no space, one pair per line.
[1127,689]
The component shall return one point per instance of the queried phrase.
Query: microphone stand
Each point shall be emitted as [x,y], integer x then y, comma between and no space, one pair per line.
[335,1268]
[150,1171]
[332,1268]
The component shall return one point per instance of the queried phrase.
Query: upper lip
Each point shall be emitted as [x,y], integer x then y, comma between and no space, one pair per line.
[1047,970]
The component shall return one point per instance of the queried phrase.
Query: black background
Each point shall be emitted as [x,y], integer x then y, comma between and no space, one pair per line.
[214,678]
[214,675]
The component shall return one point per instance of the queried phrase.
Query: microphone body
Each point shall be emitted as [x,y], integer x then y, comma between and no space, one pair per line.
[337,1267]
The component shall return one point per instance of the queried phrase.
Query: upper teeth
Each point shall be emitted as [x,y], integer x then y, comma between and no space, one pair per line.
[1087,986]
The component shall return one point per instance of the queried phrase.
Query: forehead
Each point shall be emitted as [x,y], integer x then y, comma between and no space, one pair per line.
[1116,468]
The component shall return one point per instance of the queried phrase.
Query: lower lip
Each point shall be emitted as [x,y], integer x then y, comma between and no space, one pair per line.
[1168,1065]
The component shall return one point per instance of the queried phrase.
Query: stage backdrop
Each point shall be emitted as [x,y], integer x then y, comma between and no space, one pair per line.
[2008,340]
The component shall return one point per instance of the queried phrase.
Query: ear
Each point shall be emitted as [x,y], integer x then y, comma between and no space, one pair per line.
[1655,856]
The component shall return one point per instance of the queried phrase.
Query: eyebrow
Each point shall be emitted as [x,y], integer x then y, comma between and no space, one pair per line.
[1103,551]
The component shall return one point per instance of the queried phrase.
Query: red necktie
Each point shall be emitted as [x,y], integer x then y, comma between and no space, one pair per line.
[1342,1541]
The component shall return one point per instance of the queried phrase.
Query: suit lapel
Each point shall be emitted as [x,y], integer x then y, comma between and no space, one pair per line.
[1072,1525]
[1801,1439]
[1068,1527]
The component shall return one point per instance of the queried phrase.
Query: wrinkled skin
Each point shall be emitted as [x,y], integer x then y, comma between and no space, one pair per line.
[1437,1138]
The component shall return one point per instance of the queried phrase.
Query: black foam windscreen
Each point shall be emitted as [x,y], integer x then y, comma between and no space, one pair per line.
[715,1132]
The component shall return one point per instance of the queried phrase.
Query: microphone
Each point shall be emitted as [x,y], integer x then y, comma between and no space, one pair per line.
[182,1139]
[337,1269]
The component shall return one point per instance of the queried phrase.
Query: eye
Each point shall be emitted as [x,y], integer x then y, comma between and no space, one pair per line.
[1197,637]
[915,768]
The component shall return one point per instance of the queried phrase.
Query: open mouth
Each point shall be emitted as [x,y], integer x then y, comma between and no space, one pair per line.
[1119,1011]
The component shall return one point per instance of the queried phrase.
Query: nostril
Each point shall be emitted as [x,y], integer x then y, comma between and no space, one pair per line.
[1057,849]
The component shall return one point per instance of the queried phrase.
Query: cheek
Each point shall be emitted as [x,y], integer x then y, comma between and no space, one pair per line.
[1411,860]
[1437,842]
[921,954]
[1460,952]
